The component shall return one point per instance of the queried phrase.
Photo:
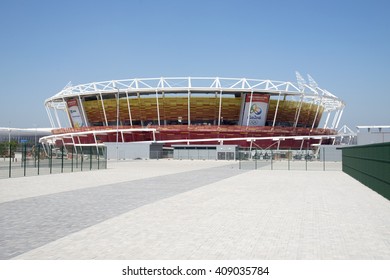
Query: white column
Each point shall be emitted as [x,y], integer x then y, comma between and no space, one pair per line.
[96,143]
[67,112]
[339,118]
[327,119]
[158,109]
[276,110]
[128,107]
[57,118]
[104,110]
[82,109]
[74,144]
[315,117]
[50,117]
[250,105]
[189,108]
[220,108]
[303,140]
[297,114]
[335,118]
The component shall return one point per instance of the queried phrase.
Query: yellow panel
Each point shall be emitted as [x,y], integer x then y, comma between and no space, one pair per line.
[201,109]
[287,110]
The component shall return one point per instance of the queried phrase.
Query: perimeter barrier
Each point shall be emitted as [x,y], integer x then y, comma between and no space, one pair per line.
[306,160]
[369,164]
[39,160]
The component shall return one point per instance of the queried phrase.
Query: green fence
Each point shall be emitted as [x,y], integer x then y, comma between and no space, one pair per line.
[36,160]
[369,164]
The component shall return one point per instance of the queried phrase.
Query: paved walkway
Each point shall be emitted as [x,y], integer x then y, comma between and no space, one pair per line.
[170,209]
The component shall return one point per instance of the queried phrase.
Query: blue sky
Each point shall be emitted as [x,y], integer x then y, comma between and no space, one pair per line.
[343,45]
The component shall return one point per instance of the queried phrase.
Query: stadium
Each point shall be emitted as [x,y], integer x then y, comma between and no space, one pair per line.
[195,111]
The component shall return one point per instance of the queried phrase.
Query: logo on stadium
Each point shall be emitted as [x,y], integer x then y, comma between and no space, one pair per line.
[255,112]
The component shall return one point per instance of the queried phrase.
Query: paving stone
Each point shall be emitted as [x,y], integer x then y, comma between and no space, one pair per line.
[210,213]
[32,222]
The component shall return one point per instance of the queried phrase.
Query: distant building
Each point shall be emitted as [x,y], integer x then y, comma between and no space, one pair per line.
[29,135]
[373,134]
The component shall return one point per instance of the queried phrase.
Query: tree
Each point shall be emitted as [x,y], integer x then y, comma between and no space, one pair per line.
[5,146]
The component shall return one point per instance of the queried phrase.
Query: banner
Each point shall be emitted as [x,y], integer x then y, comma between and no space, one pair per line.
[75,113]
[255,112]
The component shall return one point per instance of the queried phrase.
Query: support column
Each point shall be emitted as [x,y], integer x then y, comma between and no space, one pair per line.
[250,105]
[339,118]
[315,117]
[335,118]
[220,108]
[82,109]
[128,107]
[189,108]
[300,149]
[276,110]
[57,118]
[104,110]
[67,112]
[299,111]
[326,121]
[158,109]
[50,117]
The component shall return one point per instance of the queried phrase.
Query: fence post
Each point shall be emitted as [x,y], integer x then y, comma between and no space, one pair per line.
[24,158]
[82,159]
[39,156]
[272,158]
[77,157]
[105,157]
[288,158]
[90,157]
[323,157]
[62,159]
[51,159]
[72,160]
[306,158]
[10,162]
[98,157]
[35,154]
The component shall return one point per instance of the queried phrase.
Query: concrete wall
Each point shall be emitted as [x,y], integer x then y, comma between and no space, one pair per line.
[369,164]
[330,152]
[227,152]
[128,151]
[365,137]
[195,154]
[213,152]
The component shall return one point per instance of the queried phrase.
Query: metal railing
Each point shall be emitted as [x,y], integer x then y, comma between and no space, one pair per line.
[31,161]
[287,160]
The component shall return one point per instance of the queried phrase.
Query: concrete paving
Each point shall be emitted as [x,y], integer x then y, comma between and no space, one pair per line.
[170,209]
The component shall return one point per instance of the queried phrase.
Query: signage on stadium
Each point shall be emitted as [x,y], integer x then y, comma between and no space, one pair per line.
[255,109]
[75,113]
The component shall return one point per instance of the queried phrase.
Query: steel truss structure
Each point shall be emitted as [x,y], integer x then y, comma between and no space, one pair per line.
[319,100]
[302,92]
